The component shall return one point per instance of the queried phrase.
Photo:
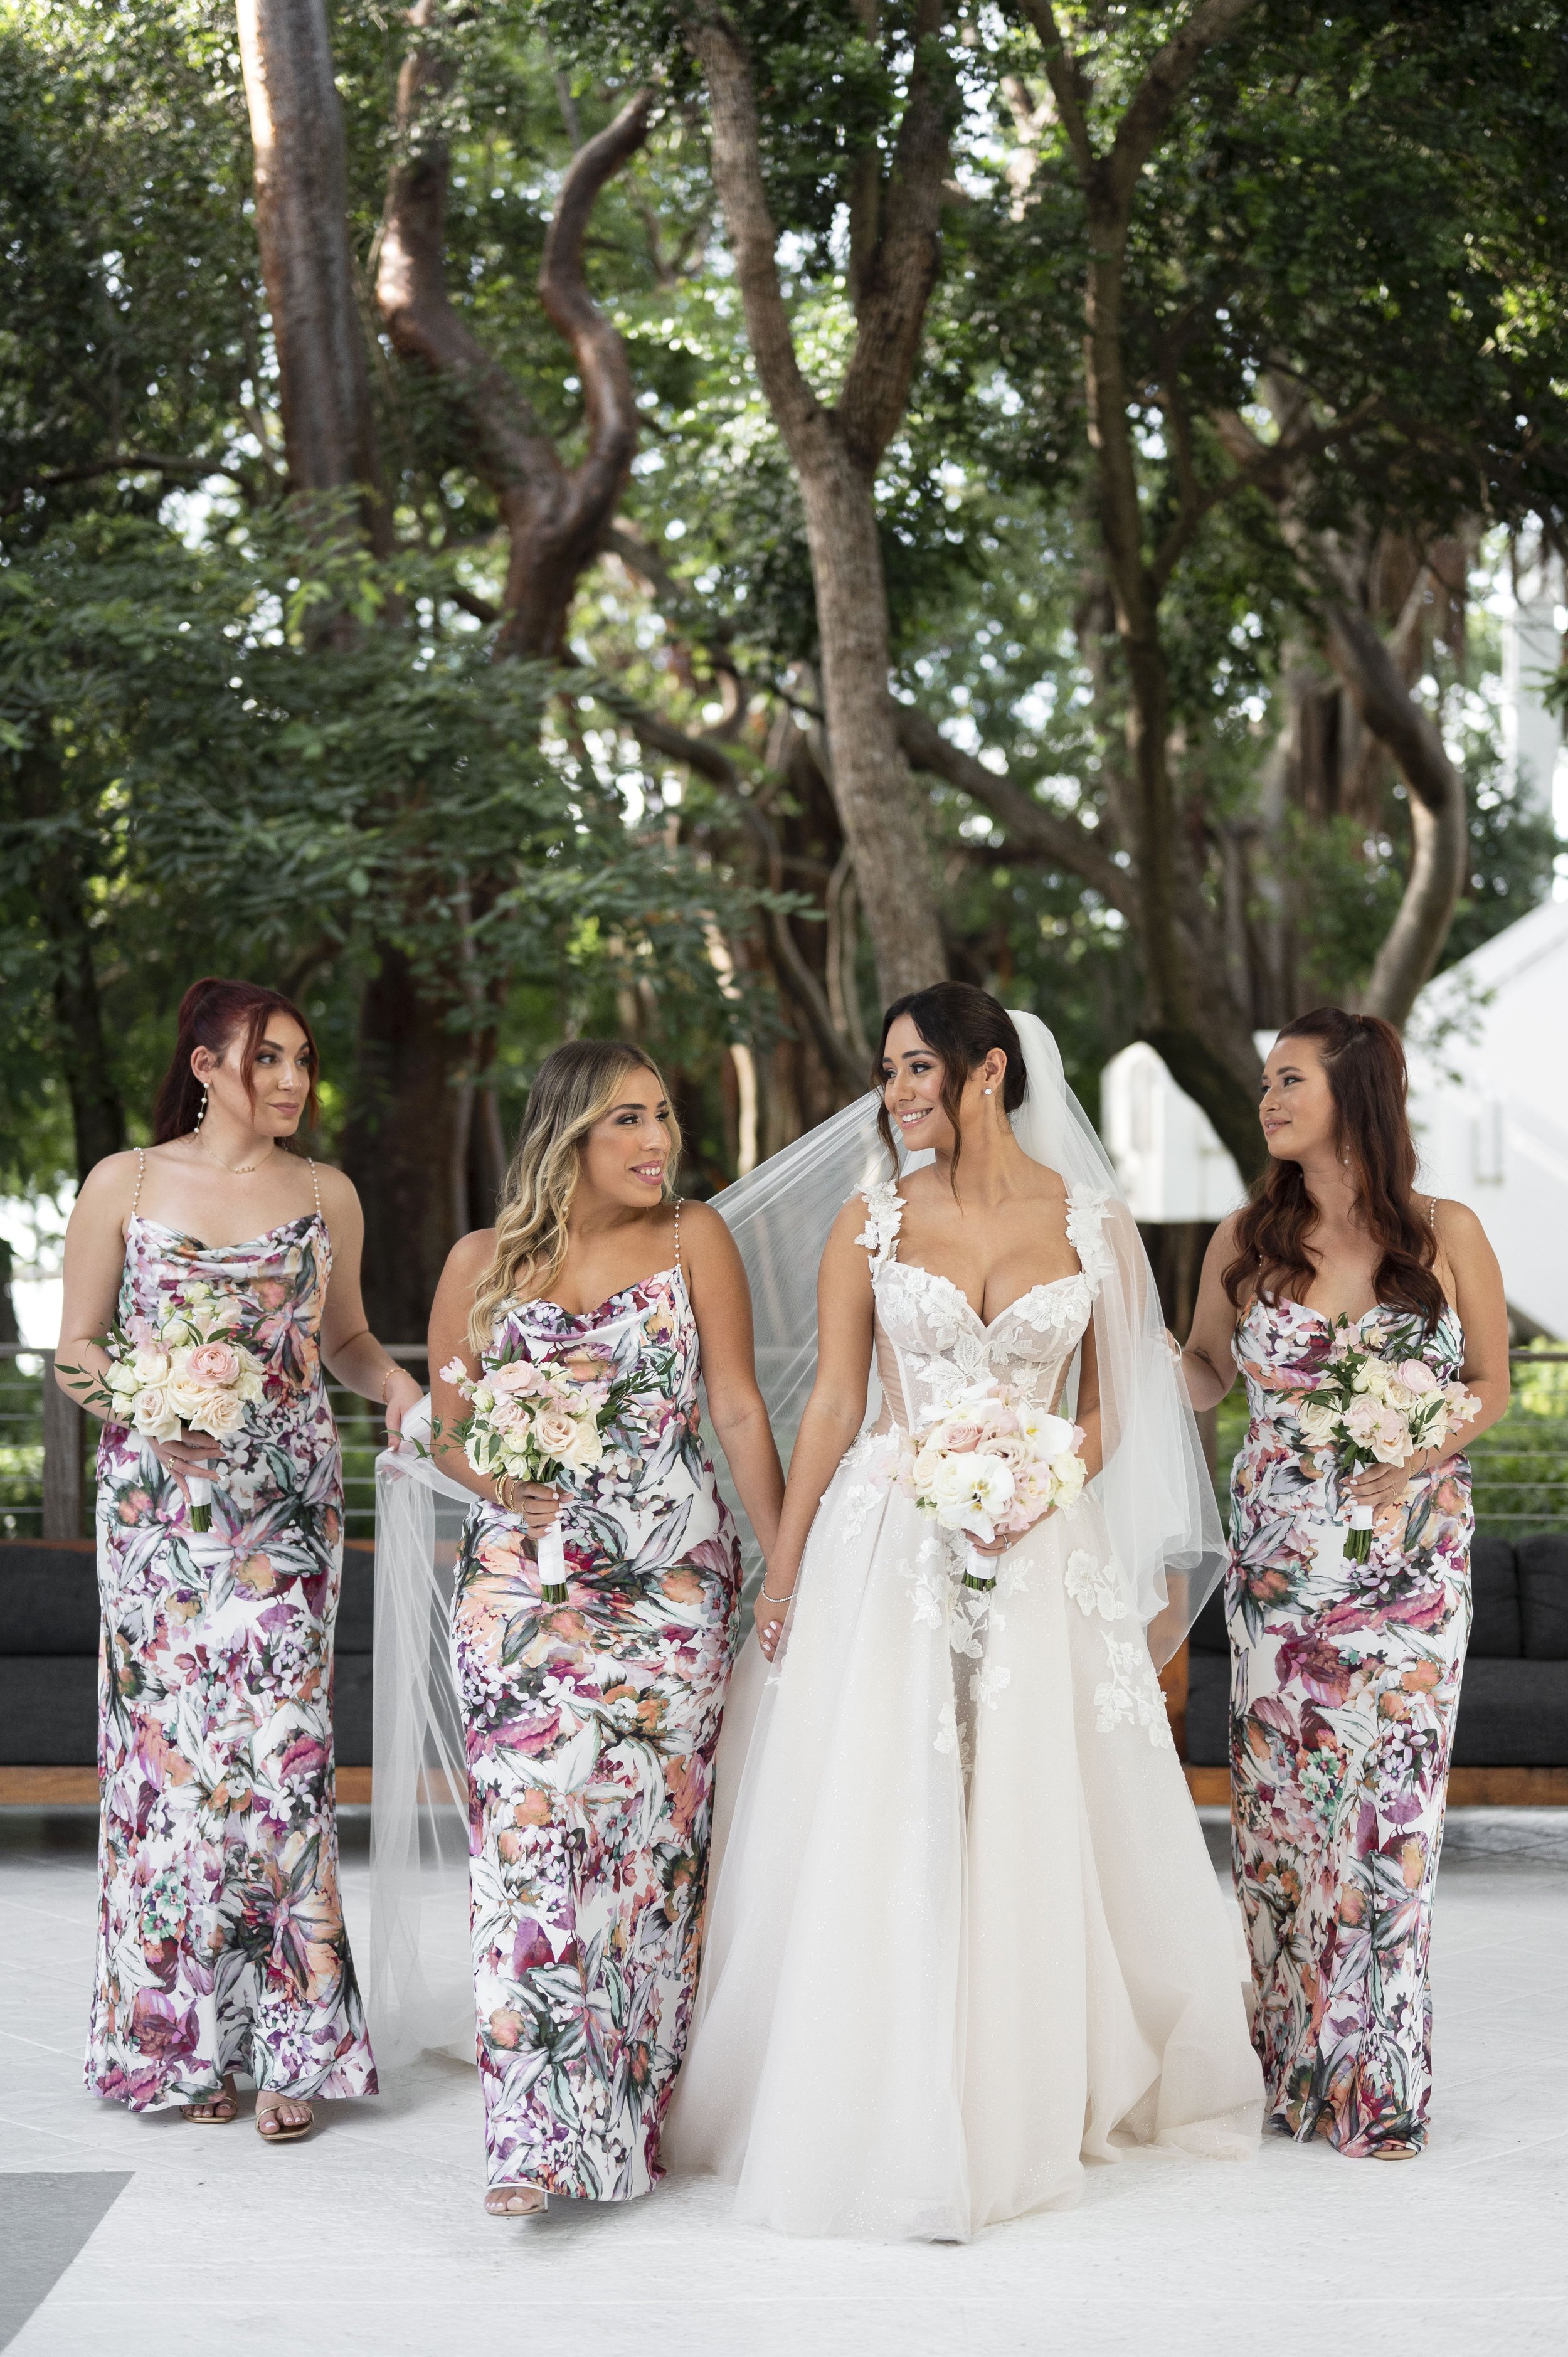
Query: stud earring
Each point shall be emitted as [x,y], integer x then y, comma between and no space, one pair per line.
[986,1092]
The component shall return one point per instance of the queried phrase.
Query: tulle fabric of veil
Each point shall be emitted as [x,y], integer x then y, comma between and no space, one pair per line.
[1155,1490]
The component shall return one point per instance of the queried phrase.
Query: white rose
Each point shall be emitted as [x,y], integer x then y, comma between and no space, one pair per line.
[1317,1424]
[483,1399]
[1069,1473]
[554,1432]
[152,1414]
[177,1333]
[586,1450]
[123,1378]
[221,1413]
[150,1367]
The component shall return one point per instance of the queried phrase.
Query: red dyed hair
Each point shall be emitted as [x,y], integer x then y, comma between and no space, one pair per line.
[1363,1058]
[211,1013]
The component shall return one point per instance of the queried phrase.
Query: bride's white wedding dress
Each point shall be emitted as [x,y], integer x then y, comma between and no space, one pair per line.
[963,1934]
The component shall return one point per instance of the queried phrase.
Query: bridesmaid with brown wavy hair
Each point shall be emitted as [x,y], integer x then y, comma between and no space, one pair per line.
[221,1946]
[1345,1676]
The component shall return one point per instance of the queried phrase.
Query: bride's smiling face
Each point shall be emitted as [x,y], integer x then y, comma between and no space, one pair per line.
[912,1079]
[912,1076]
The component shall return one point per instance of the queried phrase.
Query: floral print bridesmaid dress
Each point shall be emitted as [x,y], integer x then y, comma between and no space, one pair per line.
[221,1939]
[590,1729]
[1344,1682]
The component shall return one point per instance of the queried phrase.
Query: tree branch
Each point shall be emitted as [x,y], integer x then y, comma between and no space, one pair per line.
[709,761]
[896,280]
[736,144]
[1030,826]
[553,517]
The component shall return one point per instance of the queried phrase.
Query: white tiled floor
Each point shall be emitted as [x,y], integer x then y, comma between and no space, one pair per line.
[370,2237]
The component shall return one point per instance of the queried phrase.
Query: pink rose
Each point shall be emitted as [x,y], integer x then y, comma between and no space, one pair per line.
[507,1414]
[1417,1377]
[1362,1417]
[518,1379]
[215,1363]
[960,1438]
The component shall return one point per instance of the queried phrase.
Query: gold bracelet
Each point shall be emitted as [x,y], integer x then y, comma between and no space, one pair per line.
[392,1369]
[503,1483]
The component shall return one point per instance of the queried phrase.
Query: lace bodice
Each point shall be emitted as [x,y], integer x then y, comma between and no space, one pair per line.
[928,1334]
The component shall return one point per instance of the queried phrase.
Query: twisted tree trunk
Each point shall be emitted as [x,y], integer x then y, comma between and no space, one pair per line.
[302,228]
[1191,1014]
[553,515]
[835,452]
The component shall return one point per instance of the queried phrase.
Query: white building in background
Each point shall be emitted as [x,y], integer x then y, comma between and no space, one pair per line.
[1167,1154]
[1488,1104]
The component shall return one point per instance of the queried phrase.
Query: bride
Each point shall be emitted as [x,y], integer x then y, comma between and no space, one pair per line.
[963,1934]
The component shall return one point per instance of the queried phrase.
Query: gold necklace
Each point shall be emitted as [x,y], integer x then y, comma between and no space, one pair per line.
[235,1170]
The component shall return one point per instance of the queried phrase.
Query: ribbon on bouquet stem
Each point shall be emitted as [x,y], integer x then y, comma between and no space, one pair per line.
[551,1550]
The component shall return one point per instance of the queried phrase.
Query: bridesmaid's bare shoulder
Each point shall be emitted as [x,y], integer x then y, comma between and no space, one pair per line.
[109,1188]
[468,1259]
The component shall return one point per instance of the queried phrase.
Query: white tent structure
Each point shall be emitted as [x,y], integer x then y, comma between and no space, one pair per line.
[1488,1104]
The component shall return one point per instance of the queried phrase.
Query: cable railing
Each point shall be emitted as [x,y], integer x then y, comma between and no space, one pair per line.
[1520,1466]
[46,1444]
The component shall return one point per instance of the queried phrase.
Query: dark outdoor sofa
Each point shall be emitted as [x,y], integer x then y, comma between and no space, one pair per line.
[1513,1707]
[1513,1702]
[49,1655]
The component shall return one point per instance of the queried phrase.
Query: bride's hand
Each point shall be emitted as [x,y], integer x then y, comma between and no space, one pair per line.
[768,1613]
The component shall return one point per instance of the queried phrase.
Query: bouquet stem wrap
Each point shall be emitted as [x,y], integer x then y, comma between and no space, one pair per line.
[200,1489]
[1358,1545]
[978,1570]
[551,1549]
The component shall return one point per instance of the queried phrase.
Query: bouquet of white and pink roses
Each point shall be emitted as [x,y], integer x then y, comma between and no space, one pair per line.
[544,1423]
[989,1462]
[1368,1410]
[187,1373]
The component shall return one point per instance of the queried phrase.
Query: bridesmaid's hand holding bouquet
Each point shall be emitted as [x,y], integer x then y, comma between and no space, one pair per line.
[1364,1411]
[187,1373]
[542,1422]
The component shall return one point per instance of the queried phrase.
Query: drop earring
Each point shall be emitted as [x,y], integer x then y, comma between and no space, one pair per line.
[201,1117]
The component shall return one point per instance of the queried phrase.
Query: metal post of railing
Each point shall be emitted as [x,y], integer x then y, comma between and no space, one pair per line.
[63,1443]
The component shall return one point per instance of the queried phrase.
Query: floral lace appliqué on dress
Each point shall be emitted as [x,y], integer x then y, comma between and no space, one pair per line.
[1344,1683]
[221,1939]
[590,1731]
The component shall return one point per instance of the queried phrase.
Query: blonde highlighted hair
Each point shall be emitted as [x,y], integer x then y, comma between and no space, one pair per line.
[574,1087]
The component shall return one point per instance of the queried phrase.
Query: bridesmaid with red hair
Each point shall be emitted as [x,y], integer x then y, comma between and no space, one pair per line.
[221,1942]
[1345,1674]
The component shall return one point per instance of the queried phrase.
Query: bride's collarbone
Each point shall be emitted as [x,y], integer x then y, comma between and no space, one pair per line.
[995,1254]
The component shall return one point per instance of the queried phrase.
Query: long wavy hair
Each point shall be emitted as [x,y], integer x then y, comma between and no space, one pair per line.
[1364,1061]
[962,1023]
[211,1013]
[574,1087]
